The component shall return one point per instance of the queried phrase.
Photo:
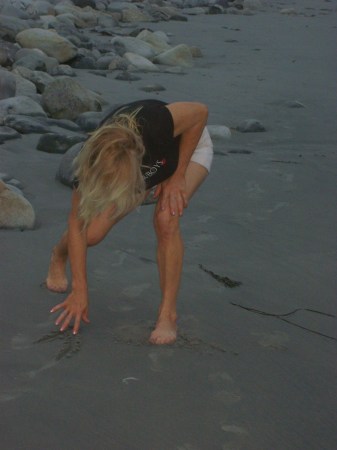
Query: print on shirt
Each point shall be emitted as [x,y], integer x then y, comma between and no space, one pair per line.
[154,169]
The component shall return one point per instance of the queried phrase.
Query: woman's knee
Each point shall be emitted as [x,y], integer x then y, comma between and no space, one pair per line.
[165,224]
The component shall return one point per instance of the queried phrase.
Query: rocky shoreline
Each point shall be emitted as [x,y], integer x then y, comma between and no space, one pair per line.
[42,46]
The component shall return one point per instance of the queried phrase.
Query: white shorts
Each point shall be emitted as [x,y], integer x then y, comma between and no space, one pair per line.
[203,154]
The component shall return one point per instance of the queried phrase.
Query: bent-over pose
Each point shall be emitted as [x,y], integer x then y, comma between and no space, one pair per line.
[138,146]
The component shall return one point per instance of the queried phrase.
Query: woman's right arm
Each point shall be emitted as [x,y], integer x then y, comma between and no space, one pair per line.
[75,306]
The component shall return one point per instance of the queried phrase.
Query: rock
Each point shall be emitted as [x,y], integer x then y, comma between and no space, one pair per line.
[289,11]
[177,56]
[24,87]
[126,76]
[65,98]
[84,62]
[140,63]
[133,45]
[156,41]
[196,52]
[219,131]
[15,210]
[48,41]
[118,63]
[7,133]
[20,105]
[196,11]
[63,70]
[135,15]
[252,5]
[8,51]
[26,124]
[120,6]
[38,8]
[153,88]
[58,143]
[104,61]
[250,126]
[11,26]
[40,79]
[89,121]
[32,62]
[216,9]
[7,84]
[65,173]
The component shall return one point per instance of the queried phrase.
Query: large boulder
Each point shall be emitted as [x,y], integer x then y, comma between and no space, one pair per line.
[65,98]
[49,41]
[15,210]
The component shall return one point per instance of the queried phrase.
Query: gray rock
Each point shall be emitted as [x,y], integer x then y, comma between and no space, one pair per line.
[16,212]
[140,63]
[121,6]
[177,56]
[65,173]
[24,87]
[118,63]
[106,21]
[104,62]
[38,8]
[63,70]
[4,177]
[48,41]
[41,80]
[20,105]
[65,98]
[253,4]
[219,131]
[22,52]
[32,62]
[58,143]
[126,76]
[8,51]
[250,126]
[216,9]
[7,133]
[11,26]
[135,15]
[133,45]
[89,121]
[26,124]
[7,84]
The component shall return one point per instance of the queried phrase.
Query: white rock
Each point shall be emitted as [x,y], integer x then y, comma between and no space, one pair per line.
[140,63]
[133,45]
[155,40]
[177,56]
[15,210]
[219,131]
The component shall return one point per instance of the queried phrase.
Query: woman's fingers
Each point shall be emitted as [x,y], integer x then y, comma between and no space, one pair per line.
[61,317]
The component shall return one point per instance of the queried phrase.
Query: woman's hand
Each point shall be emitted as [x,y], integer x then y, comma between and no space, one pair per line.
[75,308]
[172,194]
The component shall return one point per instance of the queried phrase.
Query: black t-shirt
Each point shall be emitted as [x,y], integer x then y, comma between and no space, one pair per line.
[155,125]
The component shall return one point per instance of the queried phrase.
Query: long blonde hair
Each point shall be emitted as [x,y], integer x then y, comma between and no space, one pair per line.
[108,169]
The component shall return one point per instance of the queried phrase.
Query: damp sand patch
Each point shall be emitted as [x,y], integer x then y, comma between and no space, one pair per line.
[70,343]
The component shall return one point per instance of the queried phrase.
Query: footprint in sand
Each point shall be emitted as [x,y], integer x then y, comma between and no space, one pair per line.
[225,390]
[159,359]
[274,341]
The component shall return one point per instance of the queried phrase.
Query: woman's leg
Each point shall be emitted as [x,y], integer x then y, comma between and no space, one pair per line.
[97,230]
[170,253]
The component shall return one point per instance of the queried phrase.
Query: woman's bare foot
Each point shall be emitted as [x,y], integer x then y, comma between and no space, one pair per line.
[165,331]
[56,280]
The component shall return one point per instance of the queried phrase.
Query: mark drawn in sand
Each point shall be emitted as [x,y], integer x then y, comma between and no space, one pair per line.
[71,343]
[223,280]
[283,317]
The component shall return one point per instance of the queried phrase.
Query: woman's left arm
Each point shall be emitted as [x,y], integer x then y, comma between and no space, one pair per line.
[189,121]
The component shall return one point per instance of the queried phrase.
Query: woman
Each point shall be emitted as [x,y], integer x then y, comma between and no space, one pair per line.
[138,146]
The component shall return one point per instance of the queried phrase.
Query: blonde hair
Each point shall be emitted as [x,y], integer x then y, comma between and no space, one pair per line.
[108,169]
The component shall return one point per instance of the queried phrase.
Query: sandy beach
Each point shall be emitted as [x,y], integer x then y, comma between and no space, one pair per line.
[254,366]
